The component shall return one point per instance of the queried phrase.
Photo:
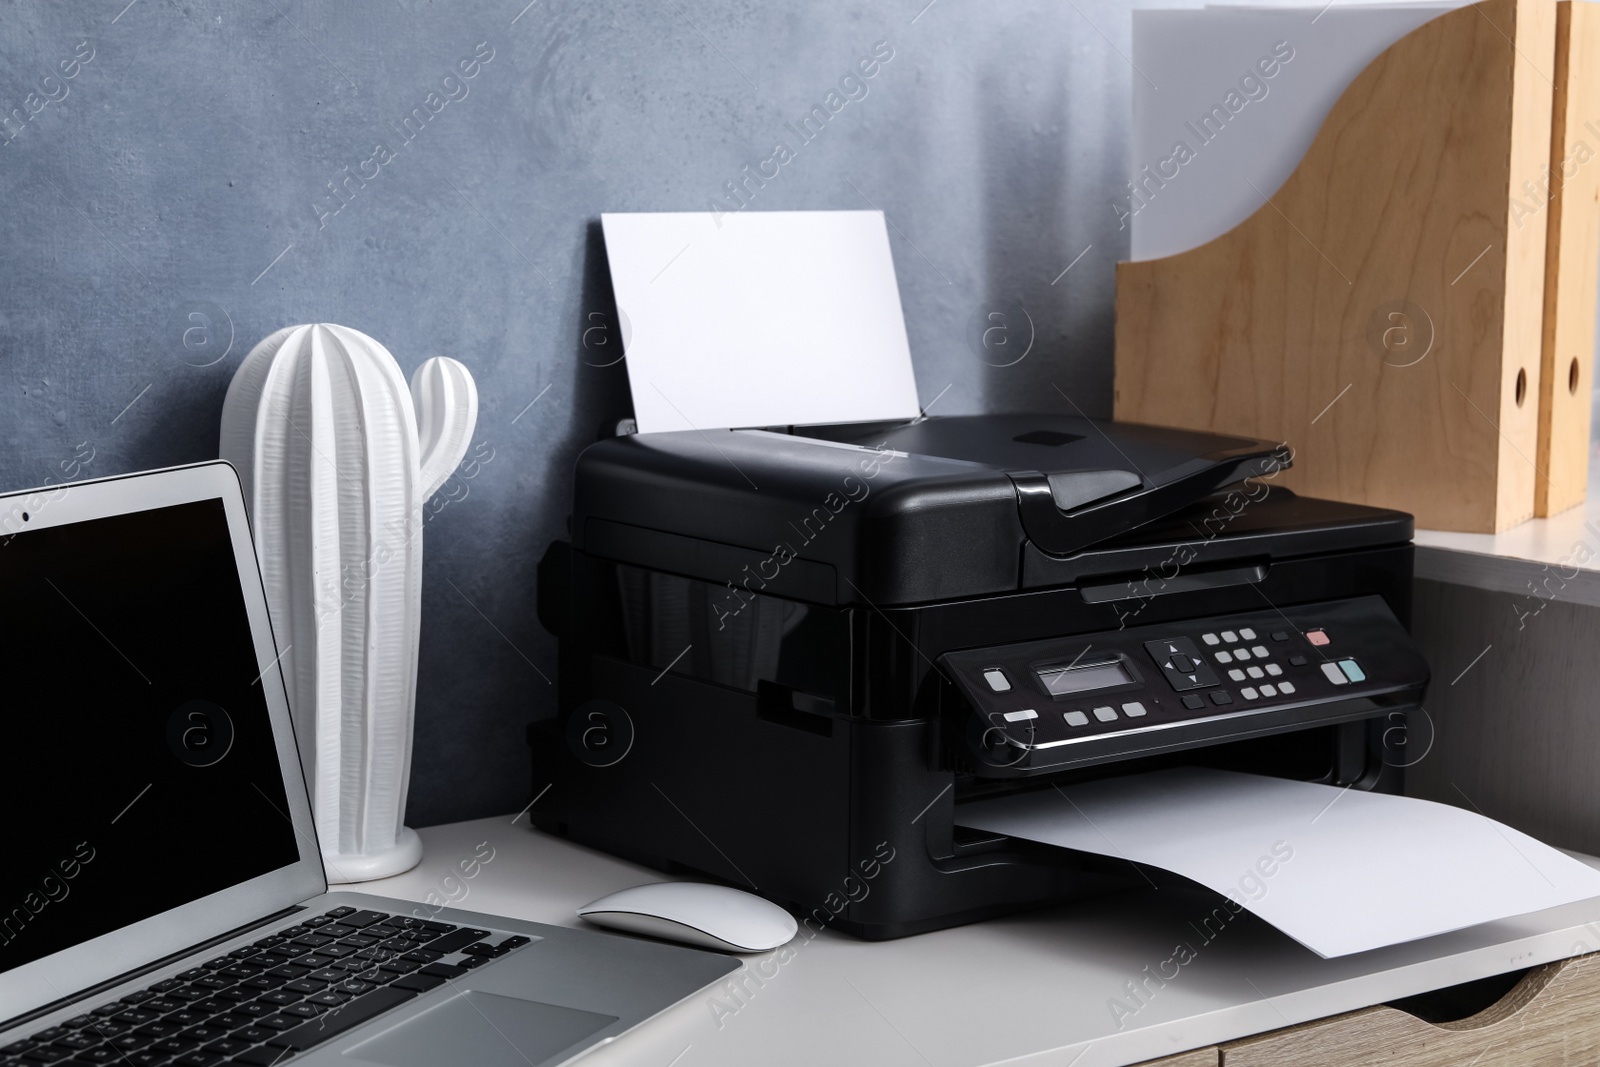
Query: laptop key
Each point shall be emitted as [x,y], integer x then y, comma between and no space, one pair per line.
[135,1016]
[263,983]
[456,940]
[253,1035]
[198,1058]
[418,983]
[279,998]
[304,1010]
[75,1042]
[173,1045]
[318,920]
[98,1054]
[264,1057]
[287,970]
[351,1015]
[201,1034]
[443,970]
[279,1022]
[227,1046]
[340,912]
[326,1000]
[303,986]
[361,919]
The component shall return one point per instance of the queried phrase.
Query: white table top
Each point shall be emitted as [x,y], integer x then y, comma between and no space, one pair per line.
[1554,559]
[1034,988]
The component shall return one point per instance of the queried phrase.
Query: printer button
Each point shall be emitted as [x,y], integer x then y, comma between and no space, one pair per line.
[1229,636]
[1286,688]
[998,682]
[1254,672]
[1224,657]
[1280,635]
[1269,690]
[1209,639]
[1241,654]
[1105,714]
[1317,637]
[1334,674]
[1194,702]
[1182,664]
[1274,670]
[1248,693]
[1261,651]
[1020,716]
[1135,710]
[1220,696]
[1077,718]
[1297,661]
[1352,670]
[1246,634]
[1236,674]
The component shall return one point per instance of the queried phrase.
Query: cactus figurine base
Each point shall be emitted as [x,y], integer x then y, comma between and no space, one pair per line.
[406,854]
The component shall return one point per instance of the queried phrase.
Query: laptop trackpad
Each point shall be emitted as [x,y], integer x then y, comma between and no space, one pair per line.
[484,1030]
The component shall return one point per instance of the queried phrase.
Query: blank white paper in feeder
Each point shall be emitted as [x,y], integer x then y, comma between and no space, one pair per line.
[1338,870]
[759,318]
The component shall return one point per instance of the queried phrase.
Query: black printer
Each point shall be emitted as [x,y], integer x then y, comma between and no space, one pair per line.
[788,656]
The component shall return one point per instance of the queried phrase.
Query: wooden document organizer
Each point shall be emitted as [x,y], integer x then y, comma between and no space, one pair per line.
[1395,311]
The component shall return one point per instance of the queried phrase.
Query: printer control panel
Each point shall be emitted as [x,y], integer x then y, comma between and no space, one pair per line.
[1092,698]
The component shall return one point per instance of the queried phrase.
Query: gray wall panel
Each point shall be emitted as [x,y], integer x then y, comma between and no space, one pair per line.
[187,156]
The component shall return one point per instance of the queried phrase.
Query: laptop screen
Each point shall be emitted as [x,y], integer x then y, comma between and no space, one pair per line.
[137,765]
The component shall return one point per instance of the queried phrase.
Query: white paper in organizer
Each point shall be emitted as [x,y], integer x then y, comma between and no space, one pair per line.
[1338,870]
[769,318]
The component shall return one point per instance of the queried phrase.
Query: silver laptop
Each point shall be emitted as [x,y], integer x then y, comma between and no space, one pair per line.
[162,896]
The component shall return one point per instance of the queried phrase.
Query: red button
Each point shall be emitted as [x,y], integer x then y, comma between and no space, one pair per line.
[1316,637]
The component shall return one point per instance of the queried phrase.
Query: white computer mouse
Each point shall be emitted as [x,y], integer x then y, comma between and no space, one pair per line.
[694,913]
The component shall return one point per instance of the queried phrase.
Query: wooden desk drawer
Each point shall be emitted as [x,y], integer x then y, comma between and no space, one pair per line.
[1551,1018]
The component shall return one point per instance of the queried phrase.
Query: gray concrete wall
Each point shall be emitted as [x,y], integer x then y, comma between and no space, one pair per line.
[169,205]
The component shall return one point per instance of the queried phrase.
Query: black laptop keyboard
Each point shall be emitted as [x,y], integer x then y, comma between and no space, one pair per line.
[272,1000]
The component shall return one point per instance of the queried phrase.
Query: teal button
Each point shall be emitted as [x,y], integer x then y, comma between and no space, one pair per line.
[1352,670]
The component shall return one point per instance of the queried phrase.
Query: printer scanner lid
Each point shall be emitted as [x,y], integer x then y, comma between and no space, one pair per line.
[915,512]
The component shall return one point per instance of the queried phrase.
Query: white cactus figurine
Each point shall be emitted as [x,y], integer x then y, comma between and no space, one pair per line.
[337,458]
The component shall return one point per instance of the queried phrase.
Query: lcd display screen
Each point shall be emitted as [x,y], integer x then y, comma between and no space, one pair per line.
[1064,681]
